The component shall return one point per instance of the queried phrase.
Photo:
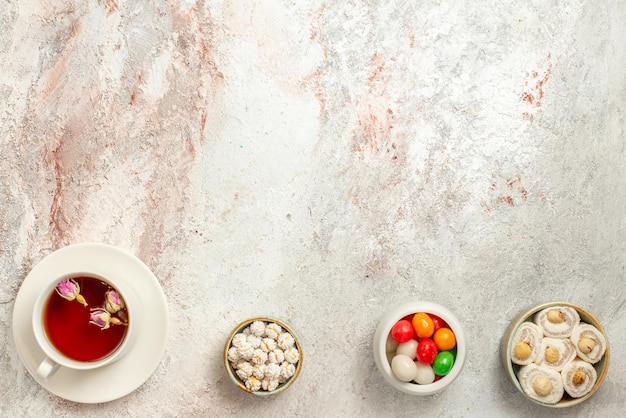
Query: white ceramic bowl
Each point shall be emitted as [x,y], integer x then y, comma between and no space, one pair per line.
[231,371]
[511,369]
[380,347]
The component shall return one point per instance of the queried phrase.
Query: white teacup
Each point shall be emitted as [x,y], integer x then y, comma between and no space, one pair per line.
[130,315]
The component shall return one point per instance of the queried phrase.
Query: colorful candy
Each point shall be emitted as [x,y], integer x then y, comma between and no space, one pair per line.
[408,348]
[402,331]
[403,367]
[423,324]
[443,363]
[426,351]
[421,348]
[445,339]
[425,374]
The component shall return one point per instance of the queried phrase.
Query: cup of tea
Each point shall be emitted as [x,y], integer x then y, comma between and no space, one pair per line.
[84,321]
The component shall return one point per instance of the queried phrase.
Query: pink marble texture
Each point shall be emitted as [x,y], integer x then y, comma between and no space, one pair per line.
[319,162]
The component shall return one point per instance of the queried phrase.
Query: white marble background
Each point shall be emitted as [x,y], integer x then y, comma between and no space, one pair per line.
[320,162]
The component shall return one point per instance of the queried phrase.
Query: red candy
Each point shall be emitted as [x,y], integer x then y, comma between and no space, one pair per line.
[438,322]
[402,331]
[426,351]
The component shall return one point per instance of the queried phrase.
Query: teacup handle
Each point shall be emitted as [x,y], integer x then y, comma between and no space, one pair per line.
[47,368]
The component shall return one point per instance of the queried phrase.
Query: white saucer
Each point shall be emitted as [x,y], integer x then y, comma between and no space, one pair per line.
[128,373]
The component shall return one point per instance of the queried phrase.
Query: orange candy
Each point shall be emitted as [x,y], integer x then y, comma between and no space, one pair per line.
[423,324]
[444,339]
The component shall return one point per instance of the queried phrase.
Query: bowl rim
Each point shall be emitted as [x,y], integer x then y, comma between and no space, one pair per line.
[601,366]
[229,369]
[380,342]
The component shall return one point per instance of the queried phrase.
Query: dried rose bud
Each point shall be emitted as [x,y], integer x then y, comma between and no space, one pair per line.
[70,290]
[100,317]
[113,302]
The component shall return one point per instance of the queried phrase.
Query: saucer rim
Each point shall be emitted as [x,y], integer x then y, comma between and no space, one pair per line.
[95,258]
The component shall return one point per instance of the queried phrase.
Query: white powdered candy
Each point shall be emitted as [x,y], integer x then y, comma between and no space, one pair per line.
[276,356]
[263,356]
[285,341]
[257,328]
[253,340]
[268,344]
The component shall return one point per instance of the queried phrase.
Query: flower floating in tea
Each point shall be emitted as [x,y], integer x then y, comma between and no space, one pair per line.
[70,290]
[100,317]
[103,319]
[113,301]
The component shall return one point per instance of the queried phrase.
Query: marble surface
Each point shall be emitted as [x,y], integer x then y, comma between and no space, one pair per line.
[320,162]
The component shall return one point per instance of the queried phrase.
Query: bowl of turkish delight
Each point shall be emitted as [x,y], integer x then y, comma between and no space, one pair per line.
[263,356]
[556,354]
[419,347]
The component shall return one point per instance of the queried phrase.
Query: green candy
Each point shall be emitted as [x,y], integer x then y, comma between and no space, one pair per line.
[443,363]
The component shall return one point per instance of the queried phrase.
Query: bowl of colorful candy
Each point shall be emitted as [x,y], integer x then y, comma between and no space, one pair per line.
[555,354]
[419,348]
[263,356]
